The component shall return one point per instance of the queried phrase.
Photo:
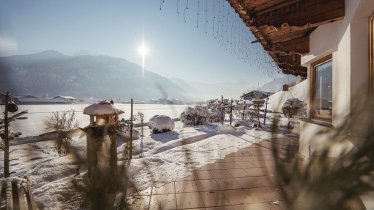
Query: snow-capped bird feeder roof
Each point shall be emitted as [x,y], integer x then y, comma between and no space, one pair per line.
[102,108]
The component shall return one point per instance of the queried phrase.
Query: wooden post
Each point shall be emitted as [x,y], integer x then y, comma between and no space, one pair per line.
[142,123]
[142,135]
[266,109]
[9,194]
[231,111]
[6,136]
[131,125]
[258,116]
[243,115]
[222,115]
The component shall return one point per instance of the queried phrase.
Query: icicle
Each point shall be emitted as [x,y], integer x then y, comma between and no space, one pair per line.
[206,16]
[222,18]
[161,2]
[184,12]
[178,7]
[214,18]
[218,22]
[197,14]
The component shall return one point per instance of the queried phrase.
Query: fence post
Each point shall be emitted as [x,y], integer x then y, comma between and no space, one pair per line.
[222,114]
[6,137]
[243,115]
[231,111]
[266,109]
[131,125]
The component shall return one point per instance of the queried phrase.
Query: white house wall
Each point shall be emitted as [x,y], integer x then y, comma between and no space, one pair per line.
[347,41]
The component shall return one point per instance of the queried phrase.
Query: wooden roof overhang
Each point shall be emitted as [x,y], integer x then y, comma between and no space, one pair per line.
[283,26]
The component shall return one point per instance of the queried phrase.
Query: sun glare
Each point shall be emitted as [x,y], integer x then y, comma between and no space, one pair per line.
[143,50]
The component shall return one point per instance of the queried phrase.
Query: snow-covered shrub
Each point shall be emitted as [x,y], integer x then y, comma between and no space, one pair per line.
[125,131]
[161,124]
[214,115]
[294,107]
[199,115]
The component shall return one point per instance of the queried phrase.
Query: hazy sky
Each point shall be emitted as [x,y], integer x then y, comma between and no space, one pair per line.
[117,27]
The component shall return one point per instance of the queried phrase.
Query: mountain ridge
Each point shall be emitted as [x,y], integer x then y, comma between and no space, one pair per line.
[99,76]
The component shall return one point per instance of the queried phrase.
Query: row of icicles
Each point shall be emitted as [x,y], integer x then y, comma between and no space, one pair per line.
[218,18]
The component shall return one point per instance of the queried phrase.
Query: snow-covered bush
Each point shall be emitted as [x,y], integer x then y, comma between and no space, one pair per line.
[161,124]
[125,131]
[214,115]
[199,115]
[294,107]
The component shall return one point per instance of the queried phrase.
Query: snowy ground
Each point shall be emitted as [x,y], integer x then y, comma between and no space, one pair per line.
[166,157]
[180,161]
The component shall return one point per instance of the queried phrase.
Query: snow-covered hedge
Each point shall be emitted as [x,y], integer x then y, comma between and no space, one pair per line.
[161,124]
[199,115]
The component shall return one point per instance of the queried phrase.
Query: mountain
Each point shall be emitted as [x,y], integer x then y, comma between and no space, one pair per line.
[83,76]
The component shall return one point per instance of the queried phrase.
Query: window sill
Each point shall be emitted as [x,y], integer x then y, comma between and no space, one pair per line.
[317,122]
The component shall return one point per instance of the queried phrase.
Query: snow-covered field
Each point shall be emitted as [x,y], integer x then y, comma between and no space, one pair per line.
[39,114]
[178,162]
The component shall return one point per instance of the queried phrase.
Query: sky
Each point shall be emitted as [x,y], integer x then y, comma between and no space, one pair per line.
[185,45]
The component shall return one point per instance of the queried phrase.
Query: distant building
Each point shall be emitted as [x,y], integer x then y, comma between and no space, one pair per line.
[166,101]
[68,99]
[256,94]
[29,99]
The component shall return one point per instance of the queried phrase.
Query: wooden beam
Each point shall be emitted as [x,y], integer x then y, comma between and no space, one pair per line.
[301,13]
[283,26]
[299,45]
[293,59]
[299,70]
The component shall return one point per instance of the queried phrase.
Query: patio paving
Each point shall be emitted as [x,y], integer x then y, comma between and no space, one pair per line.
[242,180]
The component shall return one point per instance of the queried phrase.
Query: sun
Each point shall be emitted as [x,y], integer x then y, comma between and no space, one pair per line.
[143,49]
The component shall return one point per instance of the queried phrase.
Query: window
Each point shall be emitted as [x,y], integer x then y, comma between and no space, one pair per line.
[321,91]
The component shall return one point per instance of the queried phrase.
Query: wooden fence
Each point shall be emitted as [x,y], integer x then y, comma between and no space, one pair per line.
[15,193]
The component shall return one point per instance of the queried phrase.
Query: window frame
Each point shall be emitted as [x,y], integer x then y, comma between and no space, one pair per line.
[314,65]
[371,62]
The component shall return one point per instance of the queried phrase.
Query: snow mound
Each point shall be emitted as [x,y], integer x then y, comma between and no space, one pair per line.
[161,123]
[298,91]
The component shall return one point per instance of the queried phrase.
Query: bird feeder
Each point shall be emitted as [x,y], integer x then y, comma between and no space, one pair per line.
[102,113]
[101,143]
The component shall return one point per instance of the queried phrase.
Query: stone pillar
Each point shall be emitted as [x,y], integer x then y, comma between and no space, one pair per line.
[102,157]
